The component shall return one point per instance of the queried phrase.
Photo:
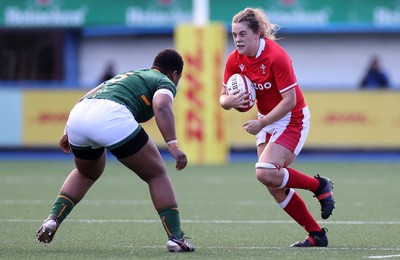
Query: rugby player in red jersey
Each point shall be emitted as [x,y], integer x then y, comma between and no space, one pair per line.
[283,120]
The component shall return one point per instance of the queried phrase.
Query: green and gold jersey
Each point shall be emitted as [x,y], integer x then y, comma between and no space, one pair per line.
[135,90]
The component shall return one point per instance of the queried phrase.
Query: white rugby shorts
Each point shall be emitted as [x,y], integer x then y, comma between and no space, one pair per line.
[290,131]
[99,123]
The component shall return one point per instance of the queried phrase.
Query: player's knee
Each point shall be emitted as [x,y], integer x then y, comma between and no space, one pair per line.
[266,173]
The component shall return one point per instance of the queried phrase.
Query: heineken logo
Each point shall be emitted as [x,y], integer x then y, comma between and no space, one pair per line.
[17,16]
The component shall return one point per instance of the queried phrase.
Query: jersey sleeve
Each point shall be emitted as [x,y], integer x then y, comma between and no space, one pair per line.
[166,83]
[283,71]
[164,91]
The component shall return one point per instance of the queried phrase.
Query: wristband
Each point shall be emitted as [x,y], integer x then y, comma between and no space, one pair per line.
[172,142]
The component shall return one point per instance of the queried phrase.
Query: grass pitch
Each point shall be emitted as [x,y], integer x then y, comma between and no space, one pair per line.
[224,210]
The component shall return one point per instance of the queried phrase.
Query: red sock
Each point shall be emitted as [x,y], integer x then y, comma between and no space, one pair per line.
[301,181]
[297,209]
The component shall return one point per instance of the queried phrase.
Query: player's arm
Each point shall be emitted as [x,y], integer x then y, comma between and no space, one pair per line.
[164,116]
[235,100]
[287,103]
[162,107]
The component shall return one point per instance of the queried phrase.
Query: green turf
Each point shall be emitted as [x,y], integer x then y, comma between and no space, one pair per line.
[224,210]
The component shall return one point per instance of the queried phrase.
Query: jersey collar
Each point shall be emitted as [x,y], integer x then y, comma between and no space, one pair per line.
[261,47]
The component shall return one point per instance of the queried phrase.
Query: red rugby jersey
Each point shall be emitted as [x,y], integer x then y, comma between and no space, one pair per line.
[270,70]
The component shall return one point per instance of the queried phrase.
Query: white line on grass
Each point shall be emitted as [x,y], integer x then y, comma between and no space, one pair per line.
[382,256]
[130,202]
[233,222]
[194,221]
[280,248]
[86,202]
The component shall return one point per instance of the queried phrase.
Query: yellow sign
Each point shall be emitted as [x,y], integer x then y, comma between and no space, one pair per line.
[338,119]
[45,113]
[343,120]
[369,119]
[200,119]
[236,135]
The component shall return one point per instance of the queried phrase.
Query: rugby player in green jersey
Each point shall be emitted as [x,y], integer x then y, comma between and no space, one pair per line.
[109,117]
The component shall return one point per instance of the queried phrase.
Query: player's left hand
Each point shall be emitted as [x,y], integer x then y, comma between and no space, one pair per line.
[64,144]
[253,126]
[180,157]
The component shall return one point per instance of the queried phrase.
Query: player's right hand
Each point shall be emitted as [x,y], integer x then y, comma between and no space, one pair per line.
[237,99]
[64,144]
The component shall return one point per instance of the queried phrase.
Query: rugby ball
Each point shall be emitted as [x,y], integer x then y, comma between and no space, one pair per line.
[243,83]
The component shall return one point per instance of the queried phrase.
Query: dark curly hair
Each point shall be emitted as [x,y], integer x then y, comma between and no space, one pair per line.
[167,61]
